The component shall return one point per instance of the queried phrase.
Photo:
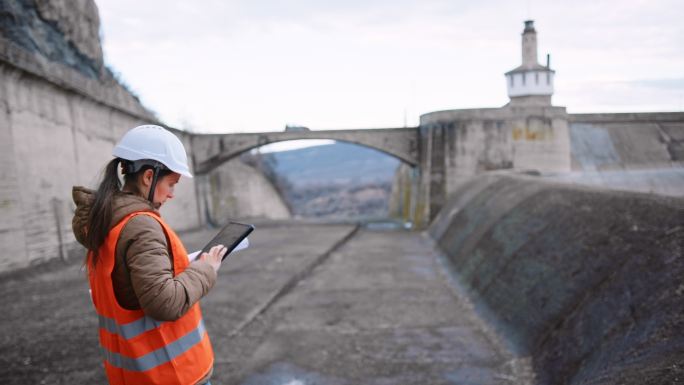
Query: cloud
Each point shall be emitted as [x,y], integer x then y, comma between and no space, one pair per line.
[255,65]
[665,84]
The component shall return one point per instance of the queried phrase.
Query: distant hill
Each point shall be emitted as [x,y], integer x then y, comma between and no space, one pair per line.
[338,163]
[339,180]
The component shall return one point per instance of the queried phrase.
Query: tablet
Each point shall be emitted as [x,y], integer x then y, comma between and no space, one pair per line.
[230,236]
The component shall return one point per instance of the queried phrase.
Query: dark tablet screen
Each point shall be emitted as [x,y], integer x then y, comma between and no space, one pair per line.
[230,236]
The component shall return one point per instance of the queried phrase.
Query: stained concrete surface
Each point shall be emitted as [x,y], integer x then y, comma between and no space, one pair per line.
[378,309]
[661,181]
[586,282]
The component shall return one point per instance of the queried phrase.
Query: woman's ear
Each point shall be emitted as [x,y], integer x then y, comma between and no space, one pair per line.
[147,177]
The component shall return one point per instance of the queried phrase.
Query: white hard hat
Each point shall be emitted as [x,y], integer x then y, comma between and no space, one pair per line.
[156,143]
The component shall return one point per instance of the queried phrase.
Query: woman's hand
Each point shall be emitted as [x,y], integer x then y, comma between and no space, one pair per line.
[214,256]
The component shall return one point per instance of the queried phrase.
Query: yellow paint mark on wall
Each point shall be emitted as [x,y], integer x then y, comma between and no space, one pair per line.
[533,134]
[420,220]
[528,134]
[517,133]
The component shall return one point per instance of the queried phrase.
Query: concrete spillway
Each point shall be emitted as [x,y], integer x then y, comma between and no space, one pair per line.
[305,304]
[535,283]
[586,283]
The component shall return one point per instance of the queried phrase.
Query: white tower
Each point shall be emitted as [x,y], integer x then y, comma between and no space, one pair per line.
[531,83]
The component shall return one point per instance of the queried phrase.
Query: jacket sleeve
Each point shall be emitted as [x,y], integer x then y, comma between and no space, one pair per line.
[161,295]
[83,198]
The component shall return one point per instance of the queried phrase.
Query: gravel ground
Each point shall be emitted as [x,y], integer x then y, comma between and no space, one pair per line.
[305,304]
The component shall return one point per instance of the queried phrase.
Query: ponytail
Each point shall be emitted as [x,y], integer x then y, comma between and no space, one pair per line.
[100,216]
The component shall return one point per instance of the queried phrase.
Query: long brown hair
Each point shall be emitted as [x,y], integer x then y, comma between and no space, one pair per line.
[100,216]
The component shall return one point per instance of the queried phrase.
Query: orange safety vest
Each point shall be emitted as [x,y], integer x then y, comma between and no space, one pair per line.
[138,349]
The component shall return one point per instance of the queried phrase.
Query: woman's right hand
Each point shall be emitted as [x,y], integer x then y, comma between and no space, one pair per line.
[214,256]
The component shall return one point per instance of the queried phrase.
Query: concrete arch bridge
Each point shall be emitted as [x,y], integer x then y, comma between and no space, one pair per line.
[211,150]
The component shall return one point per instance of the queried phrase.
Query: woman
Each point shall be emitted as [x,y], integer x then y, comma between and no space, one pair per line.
[144,289]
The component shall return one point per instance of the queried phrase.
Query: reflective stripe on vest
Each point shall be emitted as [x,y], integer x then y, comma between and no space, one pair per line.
[131,329]
[159,356]
[136,348]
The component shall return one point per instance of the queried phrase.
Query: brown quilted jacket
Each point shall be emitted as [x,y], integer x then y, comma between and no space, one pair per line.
[143,270]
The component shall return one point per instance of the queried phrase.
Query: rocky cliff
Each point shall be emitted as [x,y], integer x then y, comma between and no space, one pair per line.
[61,112]
[62,31]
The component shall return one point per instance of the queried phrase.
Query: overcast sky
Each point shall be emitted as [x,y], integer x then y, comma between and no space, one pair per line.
[248,66]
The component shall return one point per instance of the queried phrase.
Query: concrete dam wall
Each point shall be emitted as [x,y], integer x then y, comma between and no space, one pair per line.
[61,113]
[237,190]
[641,152]
[586,283]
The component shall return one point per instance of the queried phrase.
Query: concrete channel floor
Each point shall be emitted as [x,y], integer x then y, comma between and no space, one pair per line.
[305,304]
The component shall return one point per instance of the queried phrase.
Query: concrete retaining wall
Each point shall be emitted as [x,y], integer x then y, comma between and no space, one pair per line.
[235,190]
[627,141]
[662,181]
[457,144]
[586,282]
[61,114]
[630,151]
[641,152]
[479,140]
[53,139]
